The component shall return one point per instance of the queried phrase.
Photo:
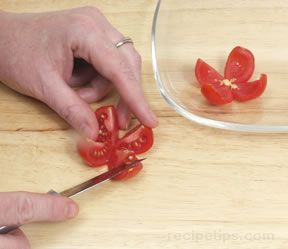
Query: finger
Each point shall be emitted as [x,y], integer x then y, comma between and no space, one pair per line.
[124,115]
[96,90]
[82,74]
[62,99]
[22,207]
[116,69]
[14,240]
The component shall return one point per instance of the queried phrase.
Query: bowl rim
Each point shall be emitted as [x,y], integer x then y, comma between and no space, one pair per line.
[193,117]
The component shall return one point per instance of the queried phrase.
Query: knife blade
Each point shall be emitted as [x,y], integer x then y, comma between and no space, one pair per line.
[84,186]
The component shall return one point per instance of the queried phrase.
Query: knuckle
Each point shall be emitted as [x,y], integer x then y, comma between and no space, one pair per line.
[82,22]
[71,112]
[91,9]
[26,209]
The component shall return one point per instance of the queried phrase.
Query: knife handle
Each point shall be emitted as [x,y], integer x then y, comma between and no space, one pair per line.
[8,229]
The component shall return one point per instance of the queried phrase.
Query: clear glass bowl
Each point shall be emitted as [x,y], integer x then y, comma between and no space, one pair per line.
[186,30]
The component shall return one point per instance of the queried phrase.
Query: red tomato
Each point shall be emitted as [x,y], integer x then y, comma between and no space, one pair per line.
[109,149]
[240,65]
[217,95]
[108,124]
[239,69]
[124,156]
[250,90]
[138,140]
[95,154]
[206,74]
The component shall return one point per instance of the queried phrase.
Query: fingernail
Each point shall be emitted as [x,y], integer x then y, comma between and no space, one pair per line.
[71,210]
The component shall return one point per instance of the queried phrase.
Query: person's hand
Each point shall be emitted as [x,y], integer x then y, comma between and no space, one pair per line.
[21,208]
[44,55]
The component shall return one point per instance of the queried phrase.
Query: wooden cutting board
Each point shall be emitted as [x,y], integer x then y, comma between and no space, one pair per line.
[201,187]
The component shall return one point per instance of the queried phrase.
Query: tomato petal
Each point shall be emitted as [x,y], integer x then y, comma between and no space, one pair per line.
[124,156]
[217,95]
[138,140]
[108,124]
[250,90]
[206,74]
[95,154]
[240,65]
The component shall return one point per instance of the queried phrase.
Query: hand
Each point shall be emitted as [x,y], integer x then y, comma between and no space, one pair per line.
[21,207]
[44,55]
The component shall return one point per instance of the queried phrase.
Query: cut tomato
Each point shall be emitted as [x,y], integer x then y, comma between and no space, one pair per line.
[250,90]
[138,140]
[109,149]
[108,124]
[240,65]
[124,156]
[95,154]
[217,95]
[206,74]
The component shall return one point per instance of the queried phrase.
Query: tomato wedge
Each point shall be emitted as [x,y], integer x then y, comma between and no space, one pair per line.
[250,90]
[206,74]
[217,95]
[138,140]
[95,154]
[108,124]
[240,65]
[124,156]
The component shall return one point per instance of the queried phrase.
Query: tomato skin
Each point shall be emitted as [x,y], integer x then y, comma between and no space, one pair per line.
[139,139]
[250,90]
[88,149]
[108,124]
[206,74]
[240,65]
[217,95]
[124,156]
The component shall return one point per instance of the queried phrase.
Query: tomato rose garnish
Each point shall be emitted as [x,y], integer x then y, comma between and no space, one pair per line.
[110,149]
[235,85]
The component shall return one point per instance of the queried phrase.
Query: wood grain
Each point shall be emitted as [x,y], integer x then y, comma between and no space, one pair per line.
[201,187]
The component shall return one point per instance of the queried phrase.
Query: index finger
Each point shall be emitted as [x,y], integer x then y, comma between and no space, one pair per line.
[111,64]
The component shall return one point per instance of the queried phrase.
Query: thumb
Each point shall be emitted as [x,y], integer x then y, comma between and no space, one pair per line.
[19,208]
[62,99]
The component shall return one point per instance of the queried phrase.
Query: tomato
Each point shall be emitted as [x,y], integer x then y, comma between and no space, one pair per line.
[219,90]
[206,74]
[138,140]
[109,149]
[250,90]
[240,65]
[124,156]
[95,154]
[216,95]
[108,124]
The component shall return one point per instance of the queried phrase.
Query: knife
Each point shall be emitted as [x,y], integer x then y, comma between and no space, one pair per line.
[84,186]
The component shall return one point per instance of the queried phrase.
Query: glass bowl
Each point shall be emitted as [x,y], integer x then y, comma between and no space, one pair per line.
[184,31]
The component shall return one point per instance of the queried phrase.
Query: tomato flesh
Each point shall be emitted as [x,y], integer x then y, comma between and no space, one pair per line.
[108,124]
[95,154]
[138,140]
[240,65]
[124,156]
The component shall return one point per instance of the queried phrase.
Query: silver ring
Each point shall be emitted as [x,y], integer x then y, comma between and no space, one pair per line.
[123,41]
